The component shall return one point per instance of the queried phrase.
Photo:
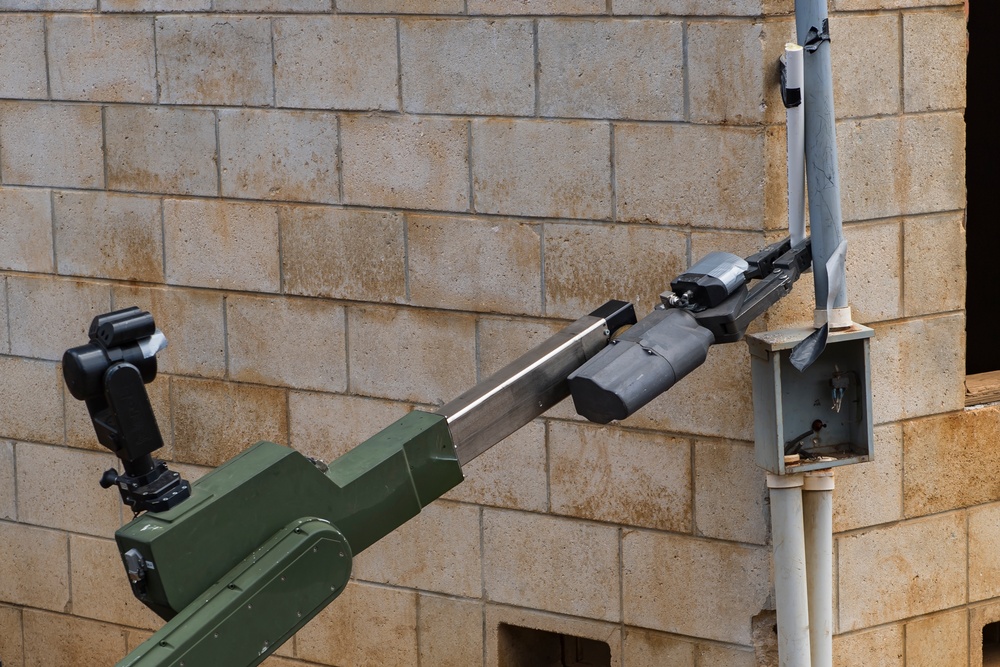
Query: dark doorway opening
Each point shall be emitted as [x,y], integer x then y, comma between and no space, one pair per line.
[983,182]
[527,647]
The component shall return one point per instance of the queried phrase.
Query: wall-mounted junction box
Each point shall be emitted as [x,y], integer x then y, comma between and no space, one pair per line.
[797,426]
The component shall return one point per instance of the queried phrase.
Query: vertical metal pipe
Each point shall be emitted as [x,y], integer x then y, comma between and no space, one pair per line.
[790,587]
[822,172]
[817,502]
[795,141]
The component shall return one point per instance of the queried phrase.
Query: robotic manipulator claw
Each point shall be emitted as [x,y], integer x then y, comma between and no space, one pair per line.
[108,374]
[709,303]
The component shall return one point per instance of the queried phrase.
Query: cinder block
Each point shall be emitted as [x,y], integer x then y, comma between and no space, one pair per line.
[616,476]
[936,45]
[585,265]
[500,654]
[48,5]
[285,155]
[871,493]
[548,168]
[26,551]
[155,5]
[933,280]
[312,6]
[714,588]
[343,253]
[716,655]
[287,342]
[512,474]
[214,60]
[611,69]
[882,647]
[104,235]
[336,62]
[855,5]
[31,393]
[942,639]
[35,302]
[553,564]
[714,400]
[893,166]
[192,321]
[865,56]
[11,629]
[984,544]
[535,7]
[700,7]
[450,631]
[730,496]
[222,245]
[100,588]
[438,551]
[875,271]
[26,234]
[473,66]
[328,425]
[214,421]
[401,6]
[904,570]
[937,475]
[917,367]
[4,324]
[643,648]
[410,355]
[8,498]
[161,149]
[55,639]
[102,58]
[720,186]
[504,274]
[366,625]
[502,340]
[94,510]
[22,50]
[405,162]
[726,72]
[51,144]
[979,617]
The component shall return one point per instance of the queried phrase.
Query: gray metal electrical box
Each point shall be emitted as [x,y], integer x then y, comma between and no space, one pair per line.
[818,418]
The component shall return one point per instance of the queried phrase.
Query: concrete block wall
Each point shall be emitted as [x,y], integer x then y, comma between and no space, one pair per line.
[340,210]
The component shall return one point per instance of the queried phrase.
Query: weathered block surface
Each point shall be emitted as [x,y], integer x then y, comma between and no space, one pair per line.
[904,570]
[467,67]
[214,60]
[25,551]
[616,476]
[33,302]
[22,50]
[726,72]
[343,253]
[696,575]
[405,162]
[102,58]
[55,639]
[103,235]
[866,66]
[99,586]
[450,631]
[643,648]
[328,425]
[504,274]
[548,168]
[730,499]
[558,565]
[935,282]
[872,493]
[882,647]
[31,394]
[51,144]
[720,186]
[26,233]
[336,62]
[934,60]
[221,246]
[611,69]
[8,482]
[161,149]
[284,155]
[11,637]
[942,639]
[268,340]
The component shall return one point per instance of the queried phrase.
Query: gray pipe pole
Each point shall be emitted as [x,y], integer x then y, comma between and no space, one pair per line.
[822,172]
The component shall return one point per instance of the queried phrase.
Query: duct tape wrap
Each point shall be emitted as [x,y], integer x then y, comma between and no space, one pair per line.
[808,351]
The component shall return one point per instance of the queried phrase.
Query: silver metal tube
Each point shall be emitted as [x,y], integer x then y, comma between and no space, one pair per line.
[523,389]
[822,171]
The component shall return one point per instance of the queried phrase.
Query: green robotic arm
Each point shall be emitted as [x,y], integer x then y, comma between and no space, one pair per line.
[239,560]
